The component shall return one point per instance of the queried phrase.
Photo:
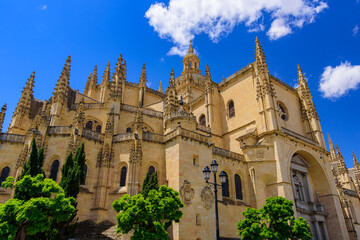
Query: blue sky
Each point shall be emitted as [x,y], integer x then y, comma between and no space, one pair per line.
[322,36]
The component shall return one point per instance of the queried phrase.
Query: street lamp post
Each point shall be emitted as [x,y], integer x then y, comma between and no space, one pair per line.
[214,167]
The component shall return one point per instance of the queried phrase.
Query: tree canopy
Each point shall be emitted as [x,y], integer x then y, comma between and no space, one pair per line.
[149,217]
[275,220]
[40,202]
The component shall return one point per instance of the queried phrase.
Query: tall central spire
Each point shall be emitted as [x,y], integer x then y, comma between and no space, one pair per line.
[191,61]
[191,49]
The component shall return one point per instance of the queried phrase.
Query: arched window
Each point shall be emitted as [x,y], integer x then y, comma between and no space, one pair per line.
[202,120]
[89,125]
[283,112]
[123,176]
[225,187]
[151,171]
[85,172]
[4,174]
[98,128]
[129,130]
[238,187]
[231,109]
[54,170]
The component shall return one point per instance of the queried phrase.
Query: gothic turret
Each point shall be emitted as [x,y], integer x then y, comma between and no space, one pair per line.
[62,87]
[265,90]
[2,116]
[60,95]
[119,78]
[22,111]
[24,104]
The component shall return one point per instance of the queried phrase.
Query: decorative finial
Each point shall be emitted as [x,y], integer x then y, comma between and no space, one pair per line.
[191,50]
[160,87]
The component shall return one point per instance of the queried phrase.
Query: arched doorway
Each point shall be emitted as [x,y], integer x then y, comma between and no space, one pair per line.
[308,178]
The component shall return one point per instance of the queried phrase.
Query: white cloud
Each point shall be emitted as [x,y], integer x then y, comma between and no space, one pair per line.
[336,82]
[181,20]
[44,7]
[355,30]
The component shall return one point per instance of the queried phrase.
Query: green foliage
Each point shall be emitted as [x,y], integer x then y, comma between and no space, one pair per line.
[73,173]
[149,217]
[150,183]
[41,201]
[275,220]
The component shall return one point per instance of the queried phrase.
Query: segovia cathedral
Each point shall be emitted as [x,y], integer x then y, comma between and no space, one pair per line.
[265,134]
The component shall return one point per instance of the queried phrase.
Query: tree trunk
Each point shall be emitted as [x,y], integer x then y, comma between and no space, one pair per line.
[21,234]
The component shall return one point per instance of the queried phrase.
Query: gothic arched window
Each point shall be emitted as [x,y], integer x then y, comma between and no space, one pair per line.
[85,172]
[238,187]
[231,109]
[129,130]
[225,187]
[98,128]
[151,171]
[4,174]
[89,125]
[123,176]
[202,120]
[54,170]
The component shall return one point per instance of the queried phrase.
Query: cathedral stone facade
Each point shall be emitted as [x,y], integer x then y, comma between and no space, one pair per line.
[265,135]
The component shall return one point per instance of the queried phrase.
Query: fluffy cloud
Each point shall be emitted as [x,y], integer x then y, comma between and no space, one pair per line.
[44,7]
[336,82]
[181,20]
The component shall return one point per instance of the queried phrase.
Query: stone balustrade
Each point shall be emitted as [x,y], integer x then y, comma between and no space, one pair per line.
[13,138]
[89,134]
[58,130]
[89,106]
[122,137]
[153,137]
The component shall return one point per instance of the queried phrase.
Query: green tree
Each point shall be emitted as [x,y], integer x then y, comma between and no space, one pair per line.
[73,173]
[41,201]
[34,165]
[149,217]
[150,183]
[275,220]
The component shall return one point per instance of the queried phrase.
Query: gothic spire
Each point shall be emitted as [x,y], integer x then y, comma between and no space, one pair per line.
[356,163]
[2,116]
[94,78]
[62,87]
[305,96]
[341,163]
[87,85]
[172,103]
[106,76]
[207,77]
[143,78]
[138,121]
[24,104]
[260,58]
[160,87]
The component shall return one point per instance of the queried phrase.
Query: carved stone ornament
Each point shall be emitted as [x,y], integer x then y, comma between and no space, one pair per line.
[207,197]
[186,193]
